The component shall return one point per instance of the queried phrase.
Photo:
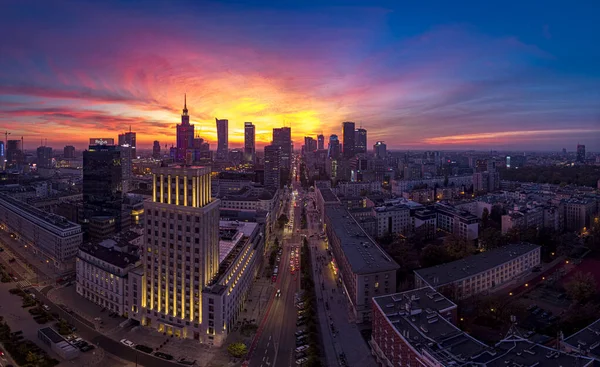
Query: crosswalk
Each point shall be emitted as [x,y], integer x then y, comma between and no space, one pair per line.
[24,284]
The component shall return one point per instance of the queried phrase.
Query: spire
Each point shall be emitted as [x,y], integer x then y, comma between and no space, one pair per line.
[185,110]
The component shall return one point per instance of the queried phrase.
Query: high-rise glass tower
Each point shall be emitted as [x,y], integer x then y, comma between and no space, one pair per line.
[129,139]
[156,150]
[360,140]
[44,157]
[334,147]
[69,151]
[273,154]
[249,142]
[349,139]
[580,153]
[380,150]
[222,139]
[320,142]
[181,255]
[283,137]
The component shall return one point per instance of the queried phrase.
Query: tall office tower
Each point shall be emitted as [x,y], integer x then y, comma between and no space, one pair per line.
[360,140]
[156,150]
[283,137]
[69,151]
[320,142]
[2,155]
[222,139]
[185,134]
[182,226]
[334,147]
[129,139]
[14,153]
[349,142]
[580,153]
[380,150]
[126,166]
[44,157]
[273,157]
[103,188]
[310,144]
[249,142]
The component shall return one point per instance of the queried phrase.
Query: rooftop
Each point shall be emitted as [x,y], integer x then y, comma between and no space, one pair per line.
[462,214]
[587,339]
[108,255]
[49,218]
[420,317]
[475,264]
[52,335]
[182,170]
[363,254]
[328,195]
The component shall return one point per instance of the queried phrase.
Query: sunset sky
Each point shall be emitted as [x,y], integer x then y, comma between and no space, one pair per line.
[416,74]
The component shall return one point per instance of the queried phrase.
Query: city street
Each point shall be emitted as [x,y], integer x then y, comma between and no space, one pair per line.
[275,341]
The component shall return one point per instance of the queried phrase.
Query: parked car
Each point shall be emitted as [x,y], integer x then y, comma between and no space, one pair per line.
[162,355]
[301,348]
[301,361]
[300,333]
[46,307]
[128,343]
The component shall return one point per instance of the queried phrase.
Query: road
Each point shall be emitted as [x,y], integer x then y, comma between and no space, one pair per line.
[276,342]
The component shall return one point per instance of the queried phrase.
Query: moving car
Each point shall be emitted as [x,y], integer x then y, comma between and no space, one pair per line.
[278,294]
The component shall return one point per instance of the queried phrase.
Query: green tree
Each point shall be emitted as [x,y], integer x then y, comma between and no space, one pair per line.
[582,287]
[458,247]
[282,220]
[32,358]
[485,218]
[433,255]
[237,350]
[491,238]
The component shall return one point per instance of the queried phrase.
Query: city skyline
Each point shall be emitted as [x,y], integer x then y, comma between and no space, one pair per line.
[412,79]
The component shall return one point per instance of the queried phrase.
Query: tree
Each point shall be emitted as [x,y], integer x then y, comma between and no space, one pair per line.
[282,220]
[237,350]
[491,238]
[566,243]
[485,217]
[581,287]
[433,255]
[458,247]
[32,358]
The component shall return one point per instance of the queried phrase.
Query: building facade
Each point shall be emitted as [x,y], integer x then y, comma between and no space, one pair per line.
[273,157]
[249,142]
[222,139]
[51,237]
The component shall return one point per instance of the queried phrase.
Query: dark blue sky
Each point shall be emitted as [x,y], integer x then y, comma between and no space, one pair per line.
[447,75]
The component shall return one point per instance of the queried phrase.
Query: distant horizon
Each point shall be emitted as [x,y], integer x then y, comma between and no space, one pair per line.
[459,77]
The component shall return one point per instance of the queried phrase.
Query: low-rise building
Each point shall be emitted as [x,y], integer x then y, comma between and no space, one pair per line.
[392,219]
[523,218]
[50,237]
[586,341]
[417,328]
[482,272]
[102,271]
[57,343]
[256,198]
[361,266]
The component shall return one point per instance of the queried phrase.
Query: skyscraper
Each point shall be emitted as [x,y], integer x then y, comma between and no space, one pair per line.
[580,153]
[156,150]
[320,142]
[126,166]
[310,144]
[361,140]
[273,154]
[44,157]
[249,142]
[334,147]
[222,139]
[380,149]
[182,239]
[69,152]
[14,153]
[185,134]
[2,155]
[128,139]
[349,139]
[283,137]
[103,184]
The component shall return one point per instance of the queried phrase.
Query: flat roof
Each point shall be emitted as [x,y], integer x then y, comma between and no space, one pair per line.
[182,170]
[587,338]
[472,265]
[419,316]
[52,335]
[328,195]
[363,254]
[108,255]
[49,218]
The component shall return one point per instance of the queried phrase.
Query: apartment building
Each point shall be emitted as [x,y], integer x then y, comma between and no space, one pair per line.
[399,186]
[324,198]
[393,219]
[417,328]
[361,266]
[458,222]
[578,213]
[50,237]
[252,198]
[101,272]
[523,218]
[482,272]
